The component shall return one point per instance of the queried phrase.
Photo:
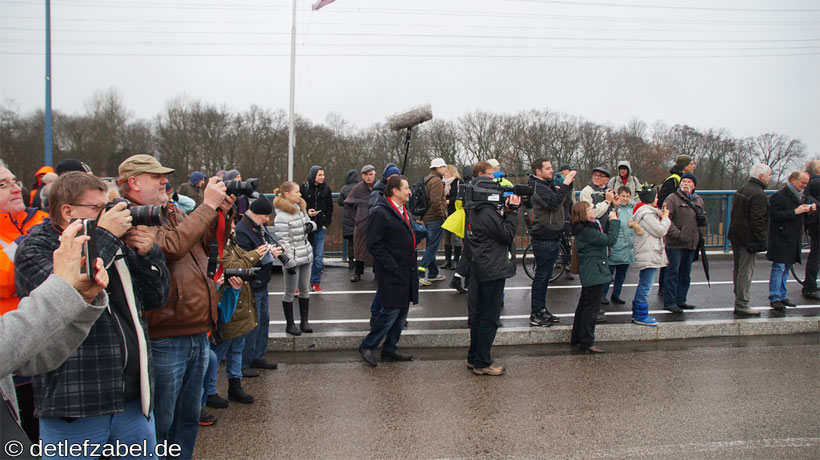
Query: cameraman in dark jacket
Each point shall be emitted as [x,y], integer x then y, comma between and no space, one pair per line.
[548,216]
[748,230]
[250,235]
[490,236]
[319,199]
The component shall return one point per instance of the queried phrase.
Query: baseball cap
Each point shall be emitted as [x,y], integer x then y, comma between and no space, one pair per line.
[437,163]
[138,164]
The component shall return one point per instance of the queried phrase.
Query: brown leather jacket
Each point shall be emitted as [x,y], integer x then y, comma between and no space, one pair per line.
[192,301]
[436,198]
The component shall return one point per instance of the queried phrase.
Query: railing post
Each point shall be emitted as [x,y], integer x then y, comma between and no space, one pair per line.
[728,219]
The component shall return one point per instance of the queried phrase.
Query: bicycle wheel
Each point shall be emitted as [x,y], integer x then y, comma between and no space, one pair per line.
[800,278]
[561,264]
[528,261]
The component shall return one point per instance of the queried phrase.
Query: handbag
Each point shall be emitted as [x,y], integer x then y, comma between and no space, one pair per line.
[12,435]
[420,230]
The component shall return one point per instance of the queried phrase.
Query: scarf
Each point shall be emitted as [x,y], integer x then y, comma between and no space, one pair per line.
[447,183]
[797,194]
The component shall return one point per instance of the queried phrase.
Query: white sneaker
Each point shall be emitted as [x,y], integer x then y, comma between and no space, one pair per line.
[439,277]
[424,282]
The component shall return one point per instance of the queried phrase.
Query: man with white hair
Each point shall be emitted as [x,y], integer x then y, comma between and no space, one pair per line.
[748,233]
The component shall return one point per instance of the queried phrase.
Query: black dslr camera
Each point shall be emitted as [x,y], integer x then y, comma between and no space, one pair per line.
[239,187]
[140,215]
[489,192]
[246,274]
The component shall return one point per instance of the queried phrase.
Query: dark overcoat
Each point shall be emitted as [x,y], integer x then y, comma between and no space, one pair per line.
[390,242]
[785,227]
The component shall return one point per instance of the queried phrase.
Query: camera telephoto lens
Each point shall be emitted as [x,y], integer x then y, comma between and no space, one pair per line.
[146,215]
[237,187]
[246,274]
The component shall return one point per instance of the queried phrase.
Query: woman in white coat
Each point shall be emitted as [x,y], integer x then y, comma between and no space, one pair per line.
[651,225]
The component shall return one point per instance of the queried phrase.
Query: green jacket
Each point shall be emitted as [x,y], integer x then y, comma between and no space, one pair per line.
[244,318]
[593,249]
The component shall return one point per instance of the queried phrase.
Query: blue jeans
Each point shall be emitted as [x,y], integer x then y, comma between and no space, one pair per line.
[620,275]
[777,281]
[645,279]
[318,256]
[210,375]
[231,351]
[676,285]
[546,253]
[129,427]
[428,261]
[388,326]
[256,341]
[179,370]
[375,306]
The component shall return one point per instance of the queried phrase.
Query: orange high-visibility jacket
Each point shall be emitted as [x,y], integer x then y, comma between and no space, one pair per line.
[10,231]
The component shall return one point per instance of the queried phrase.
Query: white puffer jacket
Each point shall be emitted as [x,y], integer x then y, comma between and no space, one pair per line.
[289,226]
[649,250]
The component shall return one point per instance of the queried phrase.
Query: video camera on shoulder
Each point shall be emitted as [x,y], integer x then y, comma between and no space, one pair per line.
[484,191]
[140,215]
[245,274]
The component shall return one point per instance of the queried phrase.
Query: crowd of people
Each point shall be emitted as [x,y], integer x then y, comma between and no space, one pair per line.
[129,348]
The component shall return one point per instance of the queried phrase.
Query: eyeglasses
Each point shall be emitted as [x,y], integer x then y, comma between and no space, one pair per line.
[7,184]
[96,207]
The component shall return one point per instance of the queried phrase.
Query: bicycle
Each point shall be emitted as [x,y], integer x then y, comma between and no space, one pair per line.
[805,245]
[562,263]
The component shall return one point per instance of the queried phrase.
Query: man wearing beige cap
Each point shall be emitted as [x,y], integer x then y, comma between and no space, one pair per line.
[178,330]
[433,219]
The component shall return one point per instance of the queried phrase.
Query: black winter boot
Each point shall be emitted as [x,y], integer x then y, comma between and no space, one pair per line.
[304,307]
[236,393]
[456,255]
[290,328]
[448,252]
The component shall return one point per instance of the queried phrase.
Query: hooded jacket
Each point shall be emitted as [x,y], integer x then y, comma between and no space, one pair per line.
[593,245]
[649,249]
[351,179]
[11,233]
[318,197]
[622,252]
[38,184]
[491,237]
[549,208]
[631,181]
[291,226]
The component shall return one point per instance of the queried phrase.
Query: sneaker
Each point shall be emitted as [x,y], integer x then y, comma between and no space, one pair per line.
[539,319]
[673,308]
[494,369]
[601,317]
[438,277]
[216,401]
[550,317]
[250,373]
[604,301]
[686,306]
[205,418]
[470,365]
[788,303]
[455,283]
[617,300]
[648,321]
[749,311]
[424,282]
[315,287]
[778,305]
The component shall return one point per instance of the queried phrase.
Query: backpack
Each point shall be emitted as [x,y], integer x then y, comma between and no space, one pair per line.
[418,203]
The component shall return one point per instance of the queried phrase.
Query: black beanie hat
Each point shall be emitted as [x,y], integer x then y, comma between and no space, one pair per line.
[691,177]
[261,206]
[647,193]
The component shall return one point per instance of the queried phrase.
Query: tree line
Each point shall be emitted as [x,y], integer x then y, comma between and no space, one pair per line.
[193,135]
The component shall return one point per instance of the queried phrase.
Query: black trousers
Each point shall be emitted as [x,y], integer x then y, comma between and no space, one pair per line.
[583,326]
[812,263]
[484,320]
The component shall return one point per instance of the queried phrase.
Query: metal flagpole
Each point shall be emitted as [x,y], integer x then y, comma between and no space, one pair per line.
[291,130]
[48,160]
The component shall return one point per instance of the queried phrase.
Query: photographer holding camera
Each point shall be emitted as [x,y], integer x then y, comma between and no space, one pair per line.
[490,237]
[74,402]
[251,235]
[179,329]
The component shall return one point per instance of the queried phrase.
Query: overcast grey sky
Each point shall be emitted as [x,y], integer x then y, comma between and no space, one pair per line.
[750,66]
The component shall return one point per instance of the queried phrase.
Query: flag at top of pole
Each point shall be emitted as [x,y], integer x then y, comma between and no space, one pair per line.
[321,3]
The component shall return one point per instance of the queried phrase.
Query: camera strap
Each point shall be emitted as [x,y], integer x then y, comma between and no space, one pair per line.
[220,241]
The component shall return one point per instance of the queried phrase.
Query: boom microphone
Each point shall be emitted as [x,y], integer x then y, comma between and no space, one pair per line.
[410,117]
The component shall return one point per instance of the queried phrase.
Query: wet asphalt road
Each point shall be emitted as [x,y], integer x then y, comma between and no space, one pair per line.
[345,306]
[751,397]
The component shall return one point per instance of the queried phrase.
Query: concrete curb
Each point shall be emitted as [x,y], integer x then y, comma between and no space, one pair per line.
[447,338]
